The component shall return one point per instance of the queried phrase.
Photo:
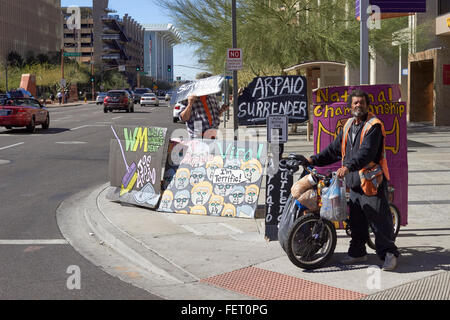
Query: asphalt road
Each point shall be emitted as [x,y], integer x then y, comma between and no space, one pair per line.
[37,172]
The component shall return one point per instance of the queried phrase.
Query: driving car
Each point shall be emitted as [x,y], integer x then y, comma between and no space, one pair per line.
[23,112]
[176,112]
[149,99]
[138,92]
[118,100]
[100,97]
[168,96]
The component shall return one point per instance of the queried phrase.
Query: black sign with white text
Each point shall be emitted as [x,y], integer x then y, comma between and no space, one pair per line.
[272,96]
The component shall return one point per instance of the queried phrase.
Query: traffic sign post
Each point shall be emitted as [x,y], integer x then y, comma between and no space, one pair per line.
[234,59]
[72,54]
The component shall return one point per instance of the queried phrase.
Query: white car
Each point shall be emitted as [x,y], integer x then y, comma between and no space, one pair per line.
[176,112]
[149,99]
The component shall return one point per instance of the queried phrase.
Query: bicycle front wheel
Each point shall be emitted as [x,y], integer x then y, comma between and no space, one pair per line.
[311,242]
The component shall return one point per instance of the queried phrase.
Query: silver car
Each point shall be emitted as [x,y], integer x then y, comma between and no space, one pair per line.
[100,97]
[149,99]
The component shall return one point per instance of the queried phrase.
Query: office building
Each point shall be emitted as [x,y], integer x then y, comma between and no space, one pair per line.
[159,41]
[30,26]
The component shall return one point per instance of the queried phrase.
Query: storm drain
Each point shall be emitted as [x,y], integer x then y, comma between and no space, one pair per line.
[269,285]
[436,287]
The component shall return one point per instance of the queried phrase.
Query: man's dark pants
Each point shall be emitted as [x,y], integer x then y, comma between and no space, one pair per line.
[374,210]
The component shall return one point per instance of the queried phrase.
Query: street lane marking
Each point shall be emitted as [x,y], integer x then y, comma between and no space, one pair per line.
[13,145]
[71,142]
[116,118]
[33,242]
[87,125]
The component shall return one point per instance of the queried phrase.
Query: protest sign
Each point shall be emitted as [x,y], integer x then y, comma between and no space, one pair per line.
[271,96]
[135,161]
[202,87]
[278,189]
[217,178]
[331,111]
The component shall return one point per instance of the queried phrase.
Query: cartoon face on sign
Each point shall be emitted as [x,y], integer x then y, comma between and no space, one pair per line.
[237,195]
[215,205]
[166,200]
[251,193]
[182,178]
[181,199]
[252,170]
[201,193]
[223,189]
[228,210]
[233,164]
[197,176]
[212,165]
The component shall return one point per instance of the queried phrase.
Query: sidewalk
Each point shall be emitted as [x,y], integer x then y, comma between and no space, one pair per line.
[202,257]
[70,104]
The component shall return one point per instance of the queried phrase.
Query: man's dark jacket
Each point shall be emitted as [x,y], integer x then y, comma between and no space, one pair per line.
[357,155]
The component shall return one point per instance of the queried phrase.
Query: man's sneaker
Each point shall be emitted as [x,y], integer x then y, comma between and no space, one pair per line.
[351,260]
[390,262]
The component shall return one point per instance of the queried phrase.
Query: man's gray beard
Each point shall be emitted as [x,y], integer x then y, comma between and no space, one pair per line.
[359,114]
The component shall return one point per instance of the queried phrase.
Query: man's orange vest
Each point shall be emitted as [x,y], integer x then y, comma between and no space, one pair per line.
[368,174]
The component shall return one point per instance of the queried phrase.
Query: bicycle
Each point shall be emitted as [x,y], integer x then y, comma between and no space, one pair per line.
[310,240]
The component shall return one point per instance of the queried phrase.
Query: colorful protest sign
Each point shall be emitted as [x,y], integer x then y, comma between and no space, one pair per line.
[331,111]
[272,96]
[135,162]
[216,178]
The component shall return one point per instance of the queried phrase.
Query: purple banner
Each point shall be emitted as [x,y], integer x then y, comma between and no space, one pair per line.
[395,6]
[331,111]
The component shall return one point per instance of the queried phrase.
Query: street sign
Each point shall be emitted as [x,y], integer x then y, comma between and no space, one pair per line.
[277,129]
[63,82]
[234,59]
[122,68]
[72,54]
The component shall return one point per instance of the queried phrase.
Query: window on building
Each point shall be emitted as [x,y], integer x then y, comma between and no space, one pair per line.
[443,7]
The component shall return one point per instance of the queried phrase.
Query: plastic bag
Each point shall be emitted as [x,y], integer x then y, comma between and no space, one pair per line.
[288,217]
[334,202]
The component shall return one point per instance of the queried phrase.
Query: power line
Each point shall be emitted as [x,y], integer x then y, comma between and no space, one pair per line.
[179,65]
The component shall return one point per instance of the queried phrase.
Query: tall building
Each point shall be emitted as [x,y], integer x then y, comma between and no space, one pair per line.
[80,40]
[30,26]
[159,41]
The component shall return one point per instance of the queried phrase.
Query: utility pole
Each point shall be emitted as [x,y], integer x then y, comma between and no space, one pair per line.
[6,75]
[235,74]
[93,82]
[62,76]
[364,43]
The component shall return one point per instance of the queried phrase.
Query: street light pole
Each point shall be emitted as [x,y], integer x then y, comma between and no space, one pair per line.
[235,74]
[364,45]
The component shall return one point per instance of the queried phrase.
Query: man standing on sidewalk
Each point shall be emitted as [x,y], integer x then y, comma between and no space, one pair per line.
[202,116]
[361,146]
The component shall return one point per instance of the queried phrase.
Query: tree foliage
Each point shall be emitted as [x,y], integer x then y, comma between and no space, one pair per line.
[275,34]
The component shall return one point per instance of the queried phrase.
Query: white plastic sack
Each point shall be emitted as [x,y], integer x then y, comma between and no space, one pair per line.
[334,202]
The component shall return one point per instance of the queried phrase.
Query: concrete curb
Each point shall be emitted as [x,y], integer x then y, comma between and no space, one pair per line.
[131,248]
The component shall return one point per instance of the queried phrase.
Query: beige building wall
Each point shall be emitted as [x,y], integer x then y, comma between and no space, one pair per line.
[30,26]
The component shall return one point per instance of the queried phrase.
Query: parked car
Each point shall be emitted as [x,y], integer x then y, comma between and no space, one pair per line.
[100,97]
[138,92]
[149,99]
[23,112]
[176,112]
[118,100]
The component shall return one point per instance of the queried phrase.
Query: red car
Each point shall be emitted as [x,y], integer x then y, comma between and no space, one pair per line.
[23,112]
[118,100]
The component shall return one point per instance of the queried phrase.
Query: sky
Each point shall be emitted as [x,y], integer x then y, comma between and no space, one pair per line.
[147,11]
